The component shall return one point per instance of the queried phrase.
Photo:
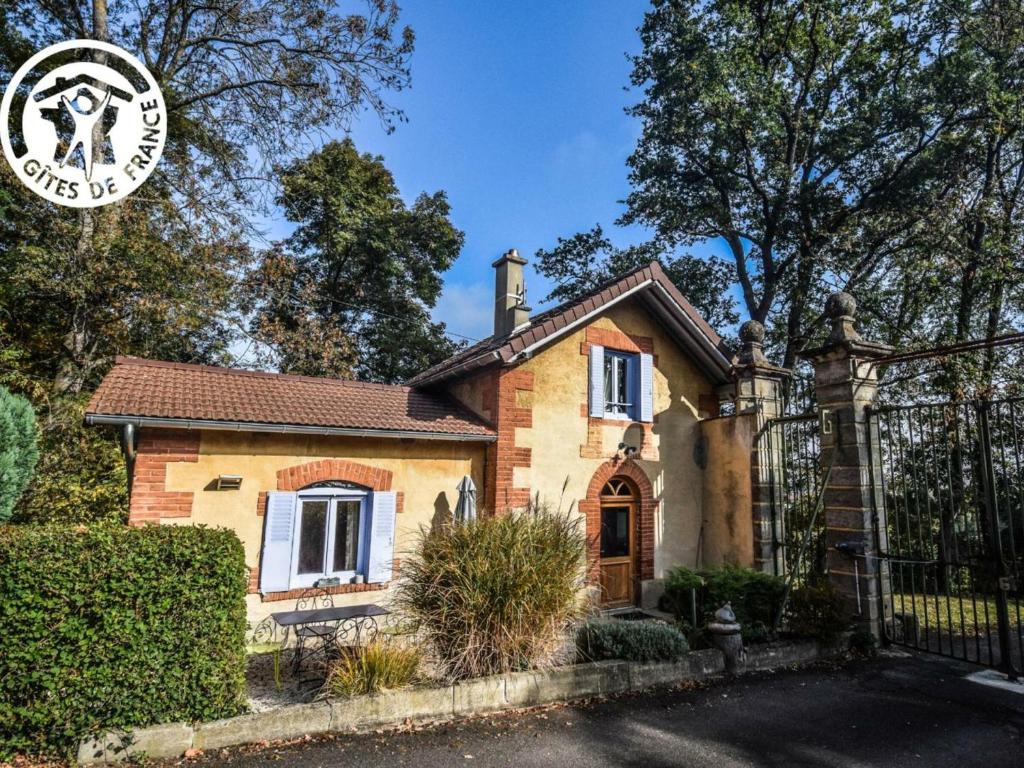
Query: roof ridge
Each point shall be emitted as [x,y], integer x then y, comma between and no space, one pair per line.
[224,370]
[562,306]
[551,320]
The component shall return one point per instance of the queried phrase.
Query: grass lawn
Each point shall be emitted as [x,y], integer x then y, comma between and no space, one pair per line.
[965,615]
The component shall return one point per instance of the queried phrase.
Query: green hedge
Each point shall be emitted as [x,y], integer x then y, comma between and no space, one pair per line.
[111,626]
[630,641]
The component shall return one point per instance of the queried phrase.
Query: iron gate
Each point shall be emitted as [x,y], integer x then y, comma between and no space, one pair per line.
[952,540]
[789,448]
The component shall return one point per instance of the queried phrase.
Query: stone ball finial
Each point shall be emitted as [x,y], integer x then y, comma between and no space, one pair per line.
[840,304]
[752,332]
[840,309]
[751,339]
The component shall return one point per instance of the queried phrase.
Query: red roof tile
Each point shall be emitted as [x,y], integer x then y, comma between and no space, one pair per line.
[152,389]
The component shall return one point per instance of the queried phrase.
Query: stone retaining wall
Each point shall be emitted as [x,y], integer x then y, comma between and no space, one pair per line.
[420,705]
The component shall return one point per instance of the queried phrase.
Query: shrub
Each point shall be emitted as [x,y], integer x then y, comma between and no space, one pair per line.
[81,476]
[630,641]
[496,594]
[372,668]
[864,643]
[680,584]
[817,611]
[18,450]
[113,627]
[755,597]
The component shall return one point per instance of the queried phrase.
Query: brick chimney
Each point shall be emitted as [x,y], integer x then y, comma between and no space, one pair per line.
[510,310]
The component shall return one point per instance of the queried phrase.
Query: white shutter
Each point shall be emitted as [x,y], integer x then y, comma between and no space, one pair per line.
[597,396]
[382,536]
[646,387]
[279,528]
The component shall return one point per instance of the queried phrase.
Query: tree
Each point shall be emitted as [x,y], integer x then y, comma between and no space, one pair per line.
[348,293]
[580,263]
[18,452]
[247,83]
[982,235]
[80,476]
[804,135]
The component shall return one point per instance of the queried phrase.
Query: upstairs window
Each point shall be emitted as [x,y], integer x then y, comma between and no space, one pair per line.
[620,385]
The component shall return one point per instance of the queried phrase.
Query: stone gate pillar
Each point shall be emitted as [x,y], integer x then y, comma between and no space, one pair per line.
[846,385]
[759,391]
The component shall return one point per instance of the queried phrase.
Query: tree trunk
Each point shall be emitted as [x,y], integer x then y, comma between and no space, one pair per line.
[71,367]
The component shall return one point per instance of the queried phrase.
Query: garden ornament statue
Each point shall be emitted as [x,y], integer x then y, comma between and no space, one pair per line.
[725,635]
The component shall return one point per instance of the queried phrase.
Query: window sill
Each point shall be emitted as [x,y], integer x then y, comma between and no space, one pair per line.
[616,417]
[614,421]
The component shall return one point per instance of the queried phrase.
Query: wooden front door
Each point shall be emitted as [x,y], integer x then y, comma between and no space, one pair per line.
[618,543]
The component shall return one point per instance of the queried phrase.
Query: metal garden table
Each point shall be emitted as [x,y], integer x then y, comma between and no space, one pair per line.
[330,625]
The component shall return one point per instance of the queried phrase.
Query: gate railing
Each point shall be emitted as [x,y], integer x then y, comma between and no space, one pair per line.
[789,450]
[952,527]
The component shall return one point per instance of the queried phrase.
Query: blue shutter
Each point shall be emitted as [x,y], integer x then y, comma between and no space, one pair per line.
[383,505]
[597,396]
[279,528]
[646,387]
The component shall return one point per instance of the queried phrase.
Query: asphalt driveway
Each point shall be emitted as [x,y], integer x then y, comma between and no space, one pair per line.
[895,711]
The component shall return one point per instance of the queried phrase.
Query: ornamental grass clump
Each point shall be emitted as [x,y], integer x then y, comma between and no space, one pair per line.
[373,668]
[496,594]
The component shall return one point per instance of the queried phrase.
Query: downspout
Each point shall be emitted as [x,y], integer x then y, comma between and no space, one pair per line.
[129,442]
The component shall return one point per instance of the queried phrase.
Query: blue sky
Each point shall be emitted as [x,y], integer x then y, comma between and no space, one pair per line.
[516,111]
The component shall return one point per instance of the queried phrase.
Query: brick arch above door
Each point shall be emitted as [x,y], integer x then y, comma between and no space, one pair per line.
[646,504]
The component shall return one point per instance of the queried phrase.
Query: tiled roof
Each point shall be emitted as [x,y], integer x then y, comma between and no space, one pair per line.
[150,389]
[548,323]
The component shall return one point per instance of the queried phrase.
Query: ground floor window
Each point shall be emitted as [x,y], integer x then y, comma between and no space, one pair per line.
[329,532]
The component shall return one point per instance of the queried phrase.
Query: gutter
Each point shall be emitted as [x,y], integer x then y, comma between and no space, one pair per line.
[129,444]
[291,429]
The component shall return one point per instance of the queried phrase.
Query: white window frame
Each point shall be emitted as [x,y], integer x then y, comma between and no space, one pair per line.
[332,498]
[625,364]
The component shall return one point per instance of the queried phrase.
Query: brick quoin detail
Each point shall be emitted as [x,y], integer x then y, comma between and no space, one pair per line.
[647,503]
[150,499]
[503,456]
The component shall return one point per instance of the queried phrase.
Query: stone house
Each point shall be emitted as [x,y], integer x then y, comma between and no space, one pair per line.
[607,403]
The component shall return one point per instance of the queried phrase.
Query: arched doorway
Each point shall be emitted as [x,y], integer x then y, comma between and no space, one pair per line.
[618,542]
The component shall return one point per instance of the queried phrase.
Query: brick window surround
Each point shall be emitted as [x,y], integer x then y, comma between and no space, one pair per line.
[295,478]
[620,342]
[646,505]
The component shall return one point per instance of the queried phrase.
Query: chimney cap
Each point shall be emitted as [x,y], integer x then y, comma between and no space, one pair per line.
[510,255]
